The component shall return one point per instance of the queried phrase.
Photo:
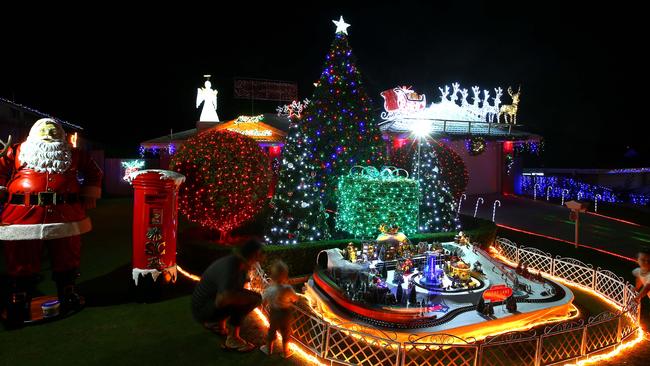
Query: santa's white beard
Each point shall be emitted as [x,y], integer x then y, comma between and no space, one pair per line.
[42,156]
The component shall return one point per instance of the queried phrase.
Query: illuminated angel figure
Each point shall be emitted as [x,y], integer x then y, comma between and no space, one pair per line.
[208,97]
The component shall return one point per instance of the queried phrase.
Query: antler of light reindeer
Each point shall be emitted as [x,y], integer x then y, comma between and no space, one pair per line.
[5,146]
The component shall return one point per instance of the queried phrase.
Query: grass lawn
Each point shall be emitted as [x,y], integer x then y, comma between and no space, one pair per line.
[113,329]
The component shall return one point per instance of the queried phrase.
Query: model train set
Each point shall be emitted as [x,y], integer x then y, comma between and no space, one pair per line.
[454,287]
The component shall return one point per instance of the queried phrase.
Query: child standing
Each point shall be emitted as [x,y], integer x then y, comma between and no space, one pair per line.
[642,273]
[280,295]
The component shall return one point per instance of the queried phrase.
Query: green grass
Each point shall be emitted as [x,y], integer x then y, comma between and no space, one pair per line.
[128,334]
[637,214]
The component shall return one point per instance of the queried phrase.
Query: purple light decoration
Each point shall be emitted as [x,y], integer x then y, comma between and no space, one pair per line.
[432,274]
[554,186]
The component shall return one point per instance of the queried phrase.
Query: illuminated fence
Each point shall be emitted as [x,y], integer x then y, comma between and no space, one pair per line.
[570,341]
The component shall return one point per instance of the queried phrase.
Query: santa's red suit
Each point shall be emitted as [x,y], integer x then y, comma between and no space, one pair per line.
[45,206]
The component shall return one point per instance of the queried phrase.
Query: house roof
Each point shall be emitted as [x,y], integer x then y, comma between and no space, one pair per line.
[40,114]
[265,128]
[255,127]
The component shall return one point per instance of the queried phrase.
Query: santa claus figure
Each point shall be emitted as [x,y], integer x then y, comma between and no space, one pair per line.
[45,205]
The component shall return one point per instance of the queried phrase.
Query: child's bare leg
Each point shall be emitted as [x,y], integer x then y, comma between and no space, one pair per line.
[269,344]
[285,347]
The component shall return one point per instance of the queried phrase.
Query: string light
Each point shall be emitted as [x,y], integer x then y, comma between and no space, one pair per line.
[131,166]
[294,109]
[452,168]
[74,138]
[437,205]
[557,187]
[335,132]
[339,124]
[368,198]
[407,107]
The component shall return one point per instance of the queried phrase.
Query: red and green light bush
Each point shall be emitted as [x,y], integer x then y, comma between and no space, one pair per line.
[227,179]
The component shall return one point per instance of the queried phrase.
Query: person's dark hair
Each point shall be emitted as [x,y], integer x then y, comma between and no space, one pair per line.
[644,250]
[250,247]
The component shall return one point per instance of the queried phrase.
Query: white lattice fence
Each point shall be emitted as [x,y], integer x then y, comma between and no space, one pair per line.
[309,330]
[508,249]
[515,348]
[558,344]
[562,342]
[602,332]
[439,350]
[350,347]
[574,271]
[537,259]
[611,286]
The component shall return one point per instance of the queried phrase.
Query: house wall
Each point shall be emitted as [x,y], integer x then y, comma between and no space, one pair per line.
[484,170]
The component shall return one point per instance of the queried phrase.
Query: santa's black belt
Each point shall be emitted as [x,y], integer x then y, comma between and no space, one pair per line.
[43,198]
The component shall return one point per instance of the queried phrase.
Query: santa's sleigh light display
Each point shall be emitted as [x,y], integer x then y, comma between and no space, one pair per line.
[452,113]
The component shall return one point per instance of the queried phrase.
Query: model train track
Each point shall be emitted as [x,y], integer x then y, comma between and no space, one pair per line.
[558,294]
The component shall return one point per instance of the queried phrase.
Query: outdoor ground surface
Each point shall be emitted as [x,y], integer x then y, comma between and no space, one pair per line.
[113,329]
[549,218]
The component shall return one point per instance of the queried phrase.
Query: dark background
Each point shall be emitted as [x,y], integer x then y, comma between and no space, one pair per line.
[129,74]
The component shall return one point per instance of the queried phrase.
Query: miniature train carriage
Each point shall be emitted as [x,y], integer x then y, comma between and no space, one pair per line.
[461,270]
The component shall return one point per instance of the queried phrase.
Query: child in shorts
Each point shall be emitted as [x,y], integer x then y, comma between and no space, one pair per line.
[280,296]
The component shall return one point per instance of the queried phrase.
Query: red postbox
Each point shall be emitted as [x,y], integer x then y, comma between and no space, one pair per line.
[155,223]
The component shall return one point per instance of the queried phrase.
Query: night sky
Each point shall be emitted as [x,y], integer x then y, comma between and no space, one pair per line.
[128,75]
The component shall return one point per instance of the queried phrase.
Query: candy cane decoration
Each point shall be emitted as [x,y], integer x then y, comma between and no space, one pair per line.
[476,208]
[548,192]
[564,191]
[494,209]
[460,201]
[596,197]
[535,187]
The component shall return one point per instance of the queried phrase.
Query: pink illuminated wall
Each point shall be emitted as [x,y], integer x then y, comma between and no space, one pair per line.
[484,170]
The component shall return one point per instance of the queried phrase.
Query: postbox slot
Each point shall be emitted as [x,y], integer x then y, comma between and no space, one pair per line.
[152,199]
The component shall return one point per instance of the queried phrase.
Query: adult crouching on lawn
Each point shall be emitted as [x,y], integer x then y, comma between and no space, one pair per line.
[221,296]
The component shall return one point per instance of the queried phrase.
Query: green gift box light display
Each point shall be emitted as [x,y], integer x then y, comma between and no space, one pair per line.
[368,198]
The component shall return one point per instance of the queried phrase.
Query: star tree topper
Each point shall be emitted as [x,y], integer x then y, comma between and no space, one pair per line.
[341,26]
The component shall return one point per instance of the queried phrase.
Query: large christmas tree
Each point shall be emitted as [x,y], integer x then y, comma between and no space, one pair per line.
[339,124]
[298,214]
[437,204]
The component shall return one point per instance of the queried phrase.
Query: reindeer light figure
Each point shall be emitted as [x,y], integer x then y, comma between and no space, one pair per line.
[510,110]
[454,95]
[492,111]
[444,94]
[476,99]
[464,93]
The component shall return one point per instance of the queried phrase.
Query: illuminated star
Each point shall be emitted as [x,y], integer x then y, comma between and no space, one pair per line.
[341,26]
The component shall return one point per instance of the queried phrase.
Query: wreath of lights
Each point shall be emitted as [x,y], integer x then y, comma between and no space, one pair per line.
[475,146]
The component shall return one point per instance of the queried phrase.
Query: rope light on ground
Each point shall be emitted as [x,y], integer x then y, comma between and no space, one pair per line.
[567,241]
